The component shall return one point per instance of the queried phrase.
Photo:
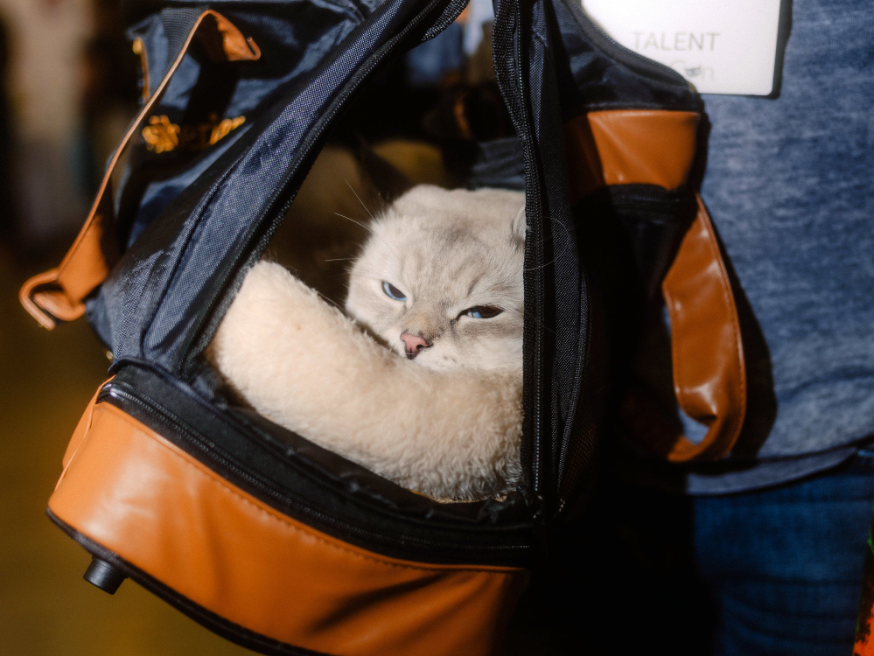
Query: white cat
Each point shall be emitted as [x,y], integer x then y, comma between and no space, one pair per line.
[439,411]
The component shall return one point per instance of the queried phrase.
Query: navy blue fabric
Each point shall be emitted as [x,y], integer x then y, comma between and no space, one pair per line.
[550,249]
[565,281]
[602,74]
[152,306]
[293,42]
[430,62]
[177,25]
[498,163]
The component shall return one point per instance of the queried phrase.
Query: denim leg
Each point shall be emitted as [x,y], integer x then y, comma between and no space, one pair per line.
[785,564]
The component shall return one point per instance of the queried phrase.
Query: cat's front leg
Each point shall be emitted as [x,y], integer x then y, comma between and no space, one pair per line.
[306,366]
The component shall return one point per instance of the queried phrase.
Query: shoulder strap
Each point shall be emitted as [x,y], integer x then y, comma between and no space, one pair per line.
[58,294]
[706,354]
[657,147]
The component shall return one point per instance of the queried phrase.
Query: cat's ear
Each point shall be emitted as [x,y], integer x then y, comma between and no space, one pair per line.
[387,181]
[520,224]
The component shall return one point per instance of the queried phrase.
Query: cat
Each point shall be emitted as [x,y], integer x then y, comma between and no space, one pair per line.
[428,394]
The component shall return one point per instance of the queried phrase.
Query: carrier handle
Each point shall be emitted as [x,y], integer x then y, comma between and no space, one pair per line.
[658,147]
[58,294]
[706,351]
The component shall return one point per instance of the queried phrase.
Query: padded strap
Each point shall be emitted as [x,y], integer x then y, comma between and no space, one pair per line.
[620,147]
[58,294]
[706,351]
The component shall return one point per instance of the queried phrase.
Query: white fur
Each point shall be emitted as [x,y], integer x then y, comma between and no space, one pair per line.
[446,424]
[303,364]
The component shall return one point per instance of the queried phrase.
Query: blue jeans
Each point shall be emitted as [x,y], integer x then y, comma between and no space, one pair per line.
[785,565]
[776,571]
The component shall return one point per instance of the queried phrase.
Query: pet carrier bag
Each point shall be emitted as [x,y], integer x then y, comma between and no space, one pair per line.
[259,534]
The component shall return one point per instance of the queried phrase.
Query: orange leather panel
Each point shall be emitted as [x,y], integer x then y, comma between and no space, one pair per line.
[630,147]
[59,293]
[707,353]
[135,493]
[708,363]
[235,46]
[82,429]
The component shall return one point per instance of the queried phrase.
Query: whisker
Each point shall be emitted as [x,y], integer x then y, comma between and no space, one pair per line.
[392,247]
[359,199]
[358,223]
[567,245]
[330,301]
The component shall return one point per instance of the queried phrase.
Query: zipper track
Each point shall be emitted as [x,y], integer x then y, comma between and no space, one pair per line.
[536,183]
[508,54]
[210,455]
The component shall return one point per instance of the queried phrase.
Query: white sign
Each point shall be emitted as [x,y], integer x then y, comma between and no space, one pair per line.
[720,46]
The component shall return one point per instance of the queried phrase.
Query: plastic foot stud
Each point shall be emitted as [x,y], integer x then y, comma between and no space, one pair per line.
[105,576]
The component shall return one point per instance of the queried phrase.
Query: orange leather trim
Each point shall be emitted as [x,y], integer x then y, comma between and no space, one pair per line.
[59,293]
[139,48]
[658,147]
[82,429]
[864,644]
[630,147]
[236,47]
[158,508]
[45,306]
[707,353]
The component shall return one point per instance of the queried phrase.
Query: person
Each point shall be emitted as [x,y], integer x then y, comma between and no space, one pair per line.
[779,529]
[762,552]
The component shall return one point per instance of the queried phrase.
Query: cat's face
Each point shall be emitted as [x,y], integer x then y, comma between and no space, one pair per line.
[440,278]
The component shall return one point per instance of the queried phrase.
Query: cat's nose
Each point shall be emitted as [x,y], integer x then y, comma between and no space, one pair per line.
[413,344]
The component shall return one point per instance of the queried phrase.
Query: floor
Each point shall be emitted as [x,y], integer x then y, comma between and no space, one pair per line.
[46,608]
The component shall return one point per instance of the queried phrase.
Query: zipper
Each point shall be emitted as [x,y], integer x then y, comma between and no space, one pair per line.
[532,193]
[530,165]
[212,457]
[508,54]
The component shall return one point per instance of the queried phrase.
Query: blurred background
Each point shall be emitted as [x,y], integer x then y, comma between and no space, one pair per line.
[68,87]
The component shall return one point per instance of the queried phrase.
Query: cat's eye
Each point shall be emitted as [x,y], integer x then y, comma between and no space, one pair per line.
[393,292]
[482,312]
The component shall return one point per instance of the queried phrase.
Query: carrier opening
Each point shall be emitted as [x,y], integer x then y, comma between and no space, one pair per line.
[384,320]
